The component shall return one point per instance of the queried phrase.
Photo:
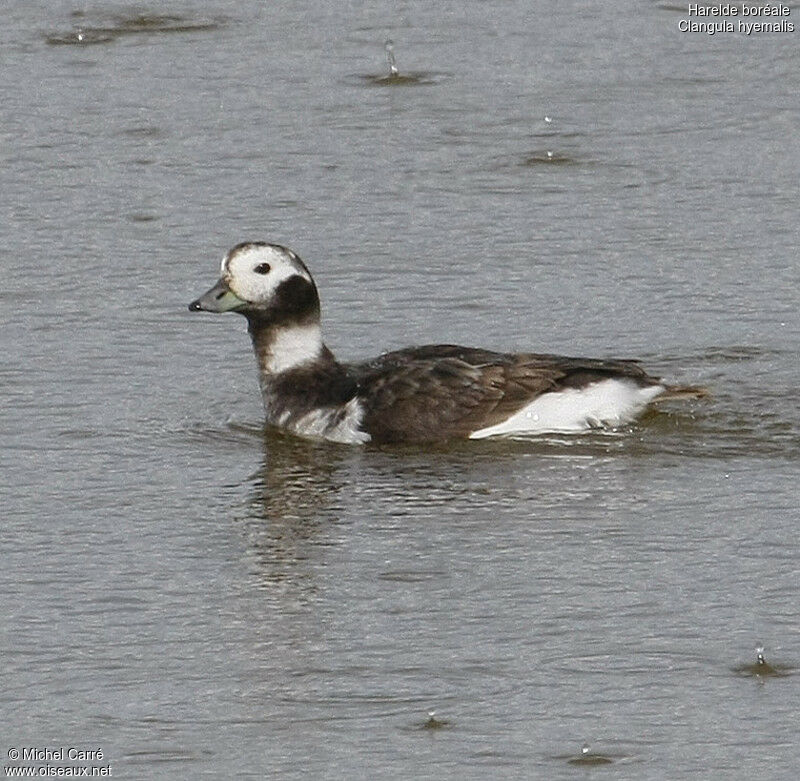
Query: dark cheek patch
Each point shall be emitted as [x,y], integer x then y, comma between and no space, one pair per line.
[296,297]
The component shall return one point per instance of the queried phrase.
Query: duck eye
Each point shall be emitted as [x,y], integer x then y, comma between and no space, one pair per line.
[262,268]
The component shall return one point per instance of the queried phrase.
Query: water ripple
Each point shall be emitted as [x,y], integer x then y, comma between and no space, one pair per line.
[85,34]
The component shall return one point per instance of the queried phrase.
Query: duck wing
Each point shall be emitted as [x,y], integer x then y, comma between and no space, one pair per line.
[439,392]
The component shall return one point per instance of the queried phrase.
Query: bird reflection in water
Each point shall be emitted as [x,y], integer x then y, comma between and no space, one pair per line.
[293,511]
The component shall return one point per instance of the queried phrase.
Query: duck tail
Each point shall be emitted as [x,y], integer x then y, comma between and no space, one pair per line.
[683,392]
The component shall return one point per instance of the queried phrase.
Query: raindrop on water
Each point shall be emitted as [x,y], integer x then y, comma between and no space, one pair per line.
[389,46]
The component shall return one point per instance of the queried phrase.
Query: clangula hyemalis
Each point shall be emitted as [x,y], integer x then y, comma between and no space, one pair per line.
[415,395]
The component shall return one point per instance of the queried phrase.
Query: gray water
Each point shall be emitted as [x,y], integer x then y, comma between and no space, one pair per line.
[200,598]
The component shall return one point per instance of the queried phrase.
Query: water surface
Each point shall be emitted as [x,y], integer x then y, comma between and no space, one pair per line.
[200,598]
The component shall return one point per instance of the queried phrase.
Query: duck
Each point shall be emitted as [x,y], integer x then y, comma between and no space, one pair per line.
[417,395]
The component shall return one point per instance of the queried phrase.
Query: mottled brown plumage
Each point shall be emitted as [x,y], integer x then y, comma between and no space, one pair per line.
[436,392]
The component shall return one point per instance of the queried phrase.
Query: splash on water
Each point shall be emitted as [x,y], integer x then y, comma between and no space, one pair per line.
[548,157]
[110,29]
[389,46]
[393,77]
[761,668]
[434,723]
[588,757]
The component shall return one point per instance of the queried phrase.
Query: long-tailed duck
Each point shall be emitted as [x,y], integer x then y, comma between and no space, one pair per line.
[419,394]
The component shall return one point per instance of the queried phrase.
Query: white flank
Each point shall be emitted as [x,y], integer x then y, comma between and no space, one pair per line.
[292,347]
[317,424]
[607,403]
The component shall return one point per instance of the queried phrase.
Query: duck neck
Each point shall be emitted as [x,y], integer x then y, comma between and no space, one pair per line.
[298,374]
[283,347]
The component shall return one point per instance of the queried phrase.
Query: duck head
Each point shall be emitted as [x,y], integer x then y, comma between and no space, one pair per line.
[268,283]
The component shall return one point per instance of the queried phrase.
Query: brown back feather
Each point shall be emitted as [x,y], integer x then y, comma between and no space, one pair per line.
[444,391]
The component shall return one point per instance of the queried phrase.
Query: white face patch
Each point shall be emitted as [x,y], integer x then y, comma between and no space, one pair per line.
[607,403]
[254,271]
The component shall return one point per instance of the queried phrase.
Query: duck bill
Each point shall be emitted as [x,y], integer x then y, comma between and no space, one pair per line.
[219,299]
